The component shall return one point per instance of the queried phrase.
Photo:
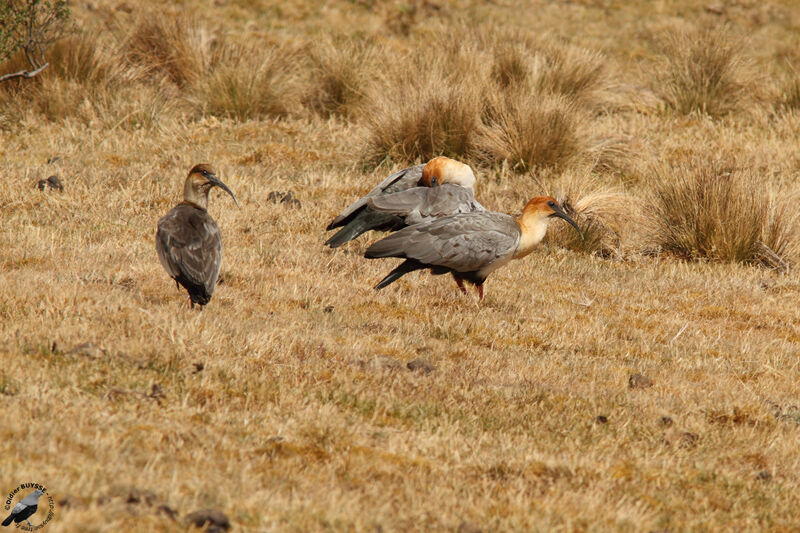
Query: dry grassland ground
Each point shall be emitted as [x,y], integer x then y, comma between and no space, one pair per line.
[670,128]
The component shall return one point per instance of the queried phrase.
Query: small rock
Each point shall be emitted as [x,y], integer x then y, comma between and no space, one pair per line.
[284,198]
[468,527]
[601,419]
[136,495]
[638,381]
[209,519]
[764,475]
[665,421]
[689,440]
[328,309]
[767,283]
[715,9]
[420,365]
[51,183]
[169,511]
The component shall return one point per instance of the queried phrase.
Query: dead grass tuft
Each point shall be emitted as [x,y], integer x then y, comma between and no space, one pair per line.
[704,70]
[603,213]
[719,210]
[245,83]
[428,116]
[166,46]
[530,130]
[341,74]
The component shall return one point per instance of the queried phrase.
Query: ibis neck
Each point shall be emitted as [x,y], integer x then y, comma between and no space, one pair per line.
[532,230]
[196,197]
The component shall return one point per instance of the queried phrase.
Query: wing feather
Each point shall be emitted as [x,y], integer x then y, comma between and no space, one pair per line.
[464,242]
[422,204]
[189,246]
[399,181]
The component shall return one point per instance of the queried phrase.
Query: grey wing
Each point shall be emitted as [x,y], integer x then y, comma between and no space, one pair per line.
[399,181]
[190,248]
[464,242]
[19,508]
[421,204]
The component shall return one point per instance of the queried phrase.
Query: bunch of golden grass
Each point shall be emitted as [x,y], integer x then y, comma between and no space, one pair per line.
[166,46]
[246,83]
[82,77]
[720,210]
[604,214]
[428,113]
[704,70]
[341,73]
[529,130]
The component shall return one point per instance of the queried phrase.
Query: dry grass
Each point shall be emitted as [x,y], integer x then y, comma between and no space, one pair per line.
[704,70]
[427,115]
[247,83]
[287,402]
[719,210]
[603,213]
[341,76]
[530,130]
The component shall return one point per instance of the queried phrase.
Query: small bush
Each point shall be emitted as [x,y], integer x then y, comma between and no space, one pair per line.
[529,130]
[341,75]
[245,83]
[718,210]
[602,213]
[164,46]
[703,70]
[420,119]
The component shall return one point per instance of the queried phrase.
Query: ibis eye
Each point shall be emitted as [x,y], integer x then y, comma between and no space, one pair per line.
[434,182]
[551,204]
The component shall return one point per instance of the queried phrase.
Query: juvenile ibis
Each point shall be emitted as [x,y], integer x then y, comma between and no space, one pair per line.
[188,240]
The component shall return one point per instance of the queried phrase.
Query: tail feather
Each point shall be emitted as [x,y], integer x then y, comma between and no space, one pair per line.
[366,220]
[346,234]
[8,520]
[409,265]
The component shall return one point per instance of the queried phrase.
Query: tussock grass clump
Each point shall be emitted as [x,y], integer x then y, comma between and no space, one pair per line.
[421,119]
[719,211]
[245,83]
[341,74]
[85,59]
[530,130]
[510,64]
[549,66]
[703,70]
[603,213]
[164,46]
[82,75]
[574,72]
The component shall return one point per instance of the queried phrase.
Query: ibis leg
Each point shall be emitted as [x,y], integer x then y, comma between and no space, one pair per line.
[480,291]
[460,283]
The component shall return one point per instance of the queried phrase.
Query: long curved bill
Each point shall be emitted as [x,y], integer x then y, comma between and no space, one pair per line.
[561,214]
[218,182]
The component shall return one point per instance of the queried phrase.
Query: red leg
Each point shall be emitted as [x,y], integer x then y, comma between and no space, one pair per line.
[480,291]
[460,283]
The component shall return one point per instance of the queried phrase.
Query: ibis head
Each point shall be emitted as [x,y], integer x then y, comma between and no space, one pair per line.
[441,170]
[533,222]
[200,181]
